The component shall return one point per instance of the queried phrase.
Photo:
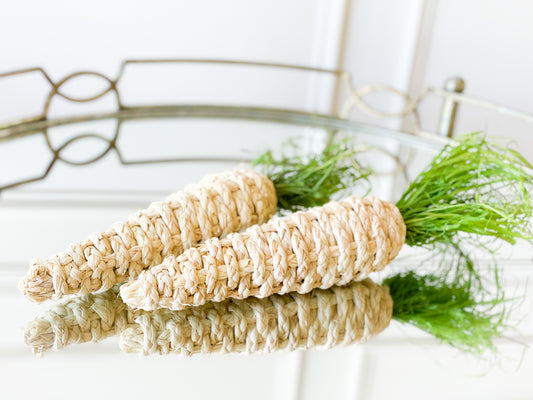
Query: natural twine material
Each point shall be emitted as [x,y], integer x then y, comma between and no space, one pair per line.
[319,319]
[218,205]
[318,248]
[80,319]
[456,310]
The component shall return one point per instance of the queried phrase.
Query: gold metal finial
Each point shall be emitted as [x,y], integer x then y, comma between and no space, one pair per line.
[449,106]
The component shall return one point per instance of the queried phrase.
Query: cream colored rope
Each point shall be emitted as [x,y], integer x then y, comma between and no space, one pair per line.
[218,205]
[320,247]
[80,319]
[319,319]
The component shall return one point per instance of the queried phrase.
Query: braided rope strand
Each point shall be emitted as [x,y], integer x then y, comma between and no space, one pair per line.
[218,205]
[319,319]
[80,319]
[323,246]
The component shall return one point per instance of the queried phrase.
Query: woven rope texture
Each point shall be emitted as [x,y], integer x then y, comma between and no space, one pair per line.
[80,319]
[320,247]
[218,205]
[319,319]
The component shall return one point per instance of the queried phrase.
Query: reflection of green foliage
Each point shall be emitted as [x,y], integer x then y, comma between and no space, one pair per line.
[471,190]
[310,181]
[473,187]
[456,311]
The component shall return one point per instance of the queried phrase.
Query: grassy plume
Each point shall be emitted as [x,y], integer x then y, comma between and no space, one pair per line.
[472,187]
[456,311]
[310,181]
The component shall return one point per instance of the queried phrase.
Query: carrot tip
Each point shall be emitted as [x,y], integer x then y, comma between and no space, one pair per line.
[38,284]
[134,293]
[39,336]
[131,340]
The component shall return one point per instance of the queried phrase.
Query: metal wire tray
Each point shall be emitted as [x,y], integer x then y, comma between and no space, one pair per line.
[411,133]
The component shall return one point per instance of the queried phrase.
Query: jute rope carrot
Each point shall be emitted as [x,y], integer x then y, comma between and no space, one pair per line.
[218,205]
[455,310]
[252,325]
[474,188]
[321,247]
[451,311]
[320,319]
[79,319]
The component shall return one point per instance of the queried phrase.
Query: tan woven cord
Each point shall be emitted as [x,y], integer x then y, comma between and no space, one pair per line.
[80,319]
[218,205]
[320,247]
[319,319]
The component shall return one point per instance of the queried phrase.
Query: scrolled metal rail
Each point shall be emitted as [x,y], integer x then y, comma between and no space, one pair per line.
[41,122]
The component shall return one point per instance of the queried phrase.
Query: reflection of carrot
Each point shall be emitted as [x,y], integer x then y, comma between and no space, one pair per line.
[454,309]
[80,319]
[320,319]
[472,188]
[218,205]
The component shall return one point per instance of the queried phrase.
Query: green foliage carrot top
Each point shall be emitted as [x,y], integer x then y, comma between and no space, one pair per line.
[303,182]
[473,188]
[455,304]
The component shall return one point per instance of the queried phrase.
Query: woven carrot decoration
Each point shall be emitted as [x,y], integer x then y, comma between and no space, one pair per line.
[455,311]
[320,319]
[79,319]
[216,206]
[473,188]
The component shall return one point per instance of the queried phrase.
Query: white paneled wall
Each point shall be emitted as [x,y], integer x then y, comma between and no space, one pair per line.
[381,38]
[407,44]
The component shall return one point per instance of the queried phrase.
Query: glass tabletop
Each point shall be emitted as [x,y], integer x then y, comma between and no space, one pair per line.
[71,180]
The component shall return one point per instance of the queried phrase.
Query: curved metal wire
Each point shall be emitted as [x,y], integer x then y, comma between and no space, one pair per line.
[40,123]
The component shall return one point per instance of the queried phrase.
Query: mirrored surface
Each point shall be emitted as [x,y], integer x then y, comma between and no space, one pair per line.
[94,174]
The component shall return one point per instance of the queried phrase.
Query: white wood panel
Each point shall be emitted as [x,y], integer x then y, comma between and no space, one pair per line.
[422,372]
[380,41]
[328,51]
[488,43]
[102,371]
[65,37]
[379,44]
[334,373]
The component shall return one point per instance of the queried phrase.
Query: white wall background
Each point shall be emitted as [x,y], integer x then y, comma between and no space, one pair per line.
[407,44]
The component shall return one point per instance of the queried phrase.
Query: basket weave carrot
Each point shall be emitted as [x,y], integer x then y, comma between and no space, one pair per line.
[79,319]
[249,325]
[454,310]
[216,206]
[473,188]
[322,319]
